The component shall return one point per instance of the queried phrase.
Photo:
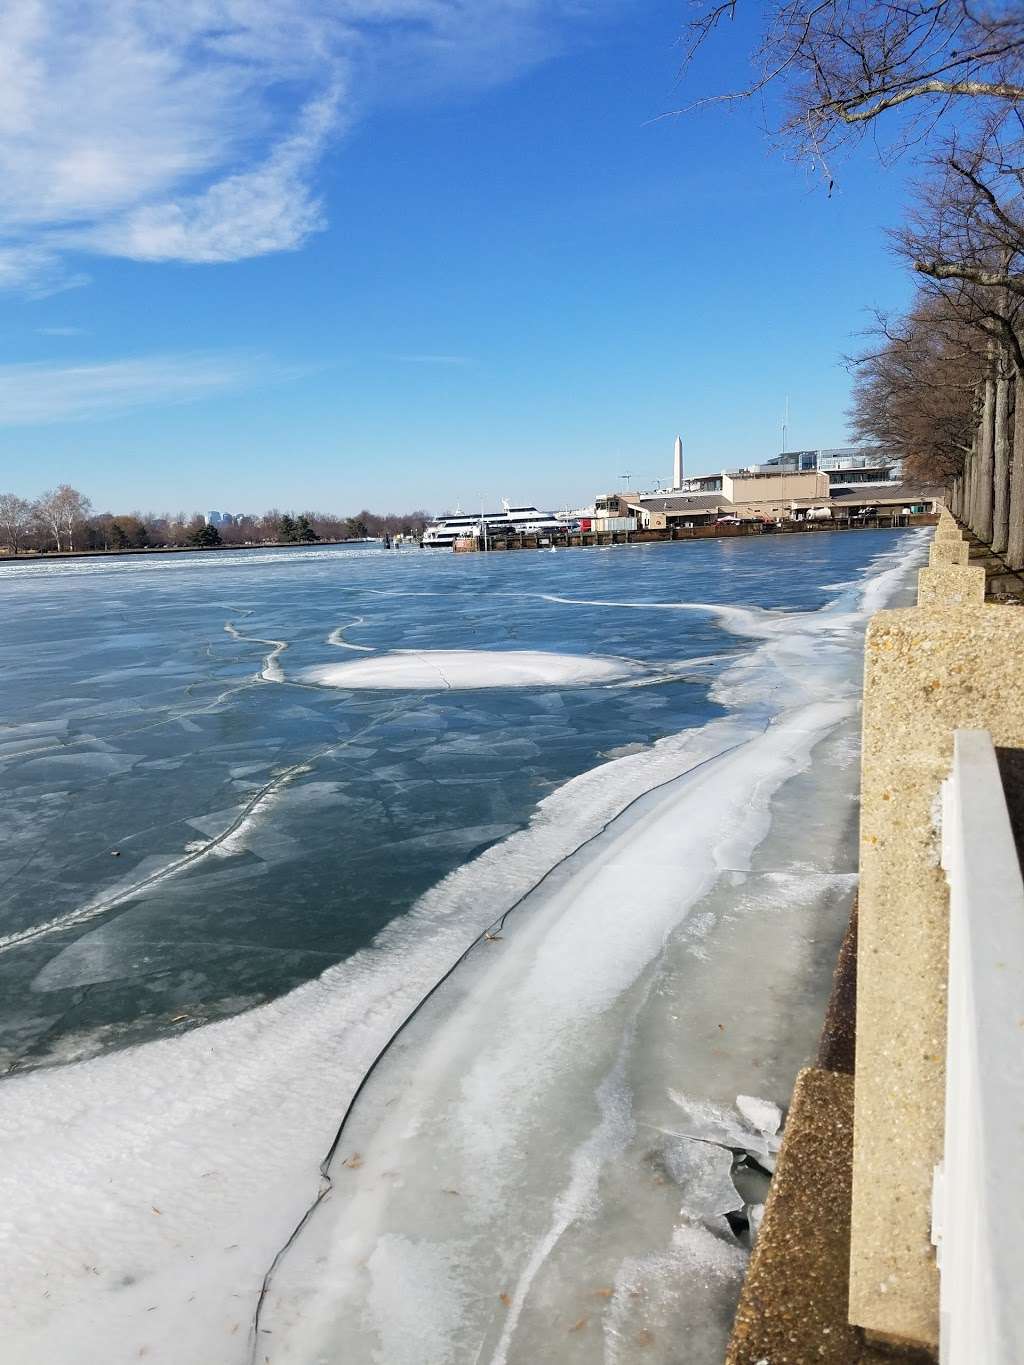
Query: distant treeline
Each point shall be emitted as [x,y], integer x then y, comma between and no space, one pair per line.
[64,519]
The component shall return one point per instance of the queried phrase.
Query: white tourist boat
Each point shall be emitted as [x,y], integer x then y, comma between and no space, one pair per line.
[528,521]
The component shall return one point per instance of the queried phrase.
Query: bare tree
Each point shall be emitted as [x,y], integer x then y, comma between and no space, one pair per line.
[966,234]
[61,511]
[15,520]
[47,513]
[915,389]
[847,64]
[965,240]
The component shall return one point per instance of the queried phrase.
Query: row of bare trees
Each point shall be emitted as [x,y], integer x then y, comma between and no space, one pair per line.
[56,515]
[941,82]
[63,520]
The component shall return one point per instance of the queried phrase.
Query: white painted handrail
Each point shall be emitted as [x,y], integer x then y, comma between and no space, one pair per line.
[978,1205]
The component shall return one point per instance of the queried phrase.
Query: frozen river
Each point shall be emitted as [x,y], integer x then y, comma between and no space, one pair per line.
[255,807]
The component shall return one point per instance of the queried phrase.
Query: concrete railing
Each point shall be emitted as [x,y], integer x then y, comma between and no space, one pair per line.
[978,1212]
[951,663]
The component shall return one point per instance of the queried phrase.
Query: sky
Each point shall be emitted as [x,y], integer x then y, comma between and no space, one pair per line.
[333,254]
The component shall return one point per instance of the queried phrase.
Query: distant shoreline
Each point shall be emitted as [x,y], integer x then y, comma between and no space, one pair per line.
[576,540]
[44,557]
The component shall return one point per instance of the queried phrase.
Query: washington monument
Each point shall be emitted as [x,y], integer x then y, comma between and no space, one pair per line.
[677,466]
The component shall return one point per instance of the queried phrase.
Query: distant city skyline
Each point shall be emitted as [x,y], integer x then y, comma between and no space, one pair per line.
[414,281]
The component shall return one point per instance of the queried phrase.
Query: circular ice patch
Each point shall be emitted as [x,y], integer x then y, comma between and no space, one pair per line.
[469,668]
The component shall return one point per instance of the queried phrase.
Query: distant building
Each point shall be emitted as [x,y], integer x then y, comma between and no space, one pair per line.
[214,518]
[770,492]
[841,483]
[615,504]
[659,511]
[702,483]
[846,466]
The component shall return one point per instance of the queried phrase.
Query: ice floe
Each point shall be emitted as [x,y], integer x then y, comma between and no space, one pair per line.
[470,668]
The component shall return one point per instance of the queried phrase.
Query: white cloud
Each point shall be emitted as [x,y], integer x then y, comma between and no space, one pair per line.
[43,393]
[193,130]
[60,331]
[269,208]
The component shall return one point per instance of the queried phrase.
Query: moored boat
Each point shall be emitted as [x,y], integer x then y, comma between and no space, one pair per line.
[523,520]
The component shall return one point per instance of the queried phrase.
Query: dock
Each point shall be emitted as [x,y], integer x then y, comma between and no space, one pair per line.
[723,531]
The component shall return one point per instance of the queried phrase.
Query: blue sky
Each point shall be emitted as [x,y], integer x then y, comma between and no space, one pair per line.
[395,253]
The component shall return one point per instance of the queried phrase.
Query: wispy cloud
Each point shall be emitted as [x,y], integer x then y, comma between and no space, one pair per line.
[34,394]
[36,270]
[434,359]
[60,331]
[194,131]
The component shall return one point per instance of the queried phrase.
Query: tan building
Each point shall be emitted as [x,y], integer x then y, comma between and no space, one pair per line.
[666,510]
[768,495]
[771,493]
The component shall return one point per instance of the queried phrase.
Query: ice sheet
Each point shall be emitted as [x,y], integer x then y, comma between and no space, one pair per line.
[146,1192]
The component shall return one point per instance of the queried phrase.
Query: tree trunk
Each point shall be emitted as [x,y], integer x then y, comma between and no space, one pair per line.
[1015,534]
[971,483]
[1001,462]
[983,485]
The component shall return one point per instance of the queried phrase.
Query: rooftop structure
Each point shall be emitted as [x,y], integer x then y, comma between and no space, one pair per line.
[845,466]
[774,486]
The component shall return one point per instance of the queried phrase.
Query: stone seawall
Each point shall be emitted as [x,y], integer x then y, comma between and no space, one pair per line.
[844,1269]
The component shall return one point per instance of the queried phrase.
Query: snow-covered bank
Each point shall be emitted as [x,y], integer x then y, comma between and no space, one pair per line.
[146,1192]
[474,1167]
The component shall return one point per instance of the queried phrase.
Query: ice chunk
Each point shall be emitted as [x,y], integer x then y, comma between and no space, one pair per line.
[763,1115]
[704,1171]
[715,1124]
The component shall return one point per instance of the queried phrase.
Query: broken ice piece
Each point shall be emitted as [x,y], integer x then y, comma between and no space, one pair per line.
[703,1170]
[763,1115]
[706,1120]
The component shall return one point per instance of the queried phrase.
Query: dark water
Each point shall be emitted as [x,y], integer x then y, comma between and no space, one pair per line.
[182,834]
